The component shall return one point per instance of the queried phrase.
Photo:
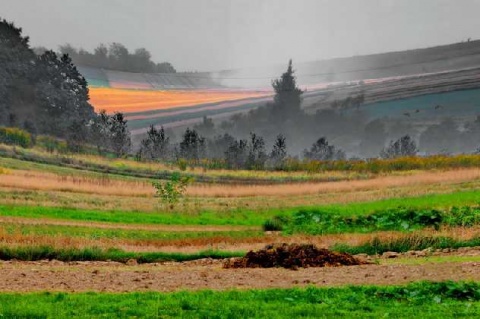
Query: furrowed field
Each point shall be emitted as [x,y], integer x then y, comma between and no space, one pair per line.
[86,236]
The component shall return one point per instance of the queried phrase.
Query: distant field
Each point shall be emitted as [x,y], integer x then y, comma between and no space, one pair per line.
[135,101]
[464,103]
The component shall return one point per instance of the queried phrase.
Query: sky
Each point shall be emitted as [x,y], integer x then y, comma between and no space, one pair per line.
[210,35]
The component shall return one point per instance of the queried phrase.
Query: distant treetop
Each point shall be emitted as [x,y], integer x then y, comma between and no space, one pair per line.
[117,57]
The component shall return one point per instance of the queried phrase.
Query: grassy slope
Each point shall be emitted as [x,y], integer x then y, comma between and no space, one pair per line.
[425,300]
[96,233]
[240,216]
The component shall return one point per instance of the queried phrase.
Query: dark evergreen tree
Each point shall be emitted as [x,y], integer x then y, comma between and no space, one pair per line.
[287,98]
[120,135]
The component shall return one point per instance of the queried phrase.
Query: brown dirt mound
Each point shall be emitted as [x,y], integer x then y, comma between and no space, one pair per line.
[292,256]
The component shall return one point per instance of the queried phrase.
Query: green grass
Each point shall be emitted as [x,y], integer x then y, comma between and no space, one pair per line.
[240,216]
[245,218]
[96,254]
[417,300]
[136,234]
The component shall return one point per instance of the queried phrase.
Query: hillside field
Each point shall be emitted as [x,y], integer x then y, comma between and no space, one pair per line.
[88,234]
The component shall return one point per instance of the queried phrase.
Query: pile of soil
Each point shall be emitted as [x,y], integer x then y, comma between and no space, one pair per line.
[292,256]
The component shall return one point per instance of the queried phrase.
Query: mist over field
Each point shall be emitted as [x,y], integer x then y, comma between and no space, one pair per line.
[239,159]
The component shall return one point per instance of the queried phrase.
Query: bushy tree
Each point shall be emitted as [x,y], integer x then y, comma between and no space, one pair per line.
[44,93]
[257,155]
[109,133]
[219,145]
[404,146]
[120,135]
[156,146]
[321,150]
[237,154]
[278,154]
[192,146]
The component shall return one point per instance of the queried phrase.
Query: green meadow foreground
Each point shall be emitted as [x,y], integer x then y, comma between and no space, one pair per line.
[86,237]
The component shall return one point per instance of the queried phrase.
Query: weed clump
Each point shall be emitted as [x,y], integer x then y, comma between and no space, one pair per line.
[292,256]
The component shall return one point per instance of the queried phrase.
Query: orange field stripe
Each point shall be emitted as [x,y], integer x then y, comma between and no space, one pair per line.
[128,101]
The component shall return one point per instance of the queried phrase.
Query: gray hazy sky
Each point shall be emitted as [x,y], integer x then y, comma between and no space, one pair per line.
[223,34]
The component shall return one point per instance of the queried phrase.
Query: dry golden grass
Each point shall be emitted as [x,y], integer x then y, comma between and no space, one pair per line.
[225,243]
[119,226]
[34,180]
[380,182]
[193,204]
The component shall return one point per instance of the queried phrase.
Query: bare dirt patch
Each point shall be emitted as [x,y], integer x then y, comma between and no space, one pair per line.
[209,274]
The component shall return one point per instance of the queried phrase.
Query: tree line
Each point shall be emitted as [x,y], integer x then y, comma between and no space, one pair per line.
[46,95]
[116,56]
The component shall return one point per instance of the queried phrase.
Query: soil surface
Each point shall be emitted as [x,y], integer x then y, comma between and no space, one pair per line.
[210,274]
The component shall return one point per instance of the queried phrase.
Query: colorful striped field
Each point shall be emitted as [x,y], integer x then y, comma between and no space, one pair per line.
[137,101]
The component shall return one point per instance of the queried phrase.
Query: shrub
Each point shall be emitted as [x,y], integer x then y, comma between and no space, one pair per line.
[274,224]
[51,144]
[172,190]
[15,136]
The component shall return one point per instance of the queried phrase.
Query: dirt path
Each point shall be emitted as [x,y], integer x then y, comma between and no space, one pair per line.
[209,274]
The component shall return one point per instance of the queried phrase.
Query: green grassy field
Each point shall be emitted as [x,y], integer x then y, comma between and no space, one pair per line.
[137,234]
[240,216]
[419,300]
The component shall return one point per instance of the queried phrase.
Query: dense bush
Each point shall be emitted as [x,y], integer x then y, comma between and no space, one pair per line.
[15,136]
[321,222]
[51,144]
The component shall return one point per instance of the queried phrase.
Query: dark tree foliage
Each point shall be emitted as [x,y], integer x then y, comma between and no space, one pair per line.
[119,135]
[404,146]
[156,146]
[287,95]
[257,155]
[236,155]
[117,57]
[43,94]
[279,152]
[219,145]
[100,132]
[322,151]
[192,146]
